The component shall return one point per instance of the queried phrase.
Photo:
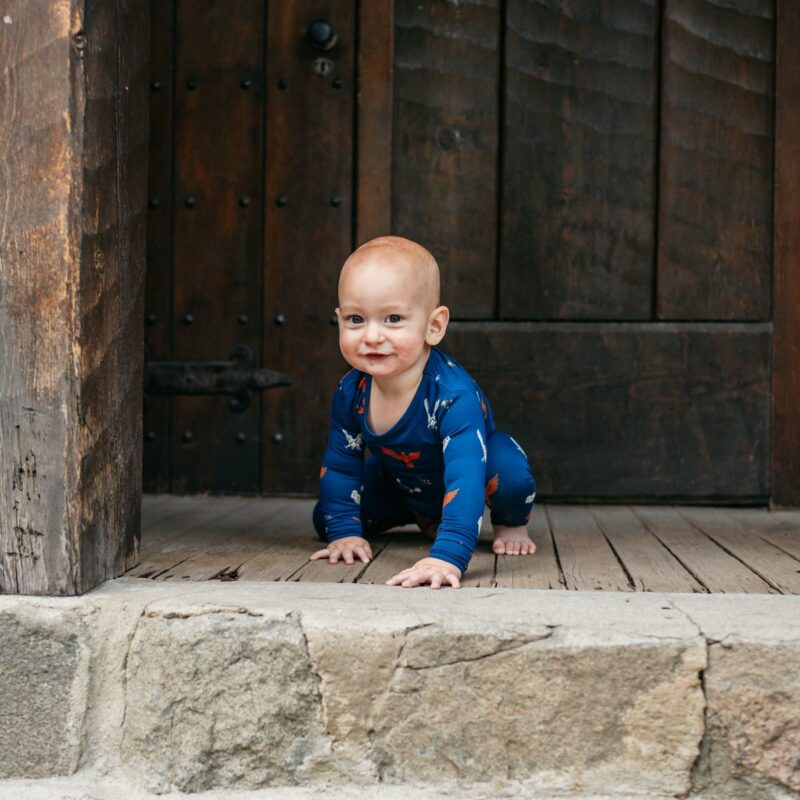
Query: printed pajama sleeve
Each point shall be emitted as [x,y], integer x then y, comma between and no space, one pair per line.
[342,473]
[463,431]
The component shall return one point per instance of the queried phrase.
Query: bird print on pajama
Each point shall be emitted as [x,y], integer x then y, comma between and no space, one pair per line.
[443,460]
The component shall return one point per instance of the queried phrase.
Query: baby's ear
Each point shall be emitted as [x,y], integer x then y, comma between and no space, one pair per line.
[437,325]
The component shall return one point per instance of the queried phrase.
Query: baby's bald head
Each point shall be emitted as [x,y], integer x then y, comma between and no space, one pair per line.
[411,261]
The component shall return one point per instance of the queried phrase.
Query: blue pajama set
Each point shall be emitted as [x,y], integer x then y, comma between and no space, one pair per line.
[442,460]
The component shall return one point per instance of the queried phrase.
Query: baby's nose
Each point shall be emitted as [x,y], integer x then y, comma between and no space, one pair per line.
[373,331]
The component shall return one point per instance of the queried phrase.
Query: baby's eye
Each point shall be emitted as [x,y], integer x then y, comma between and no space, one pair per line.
[355,319]
[395,318]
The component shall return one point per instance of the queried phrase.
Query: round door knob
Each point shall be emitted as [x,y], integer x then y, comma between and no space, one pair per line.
[322,34]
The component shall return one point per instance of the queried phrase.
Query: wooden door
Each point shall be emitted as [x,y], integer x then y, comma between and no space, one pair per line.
[251,217]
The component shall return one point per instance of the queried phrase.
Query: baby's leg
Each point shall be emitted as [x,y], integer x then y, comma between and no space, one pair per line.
[378,505]
[510,493]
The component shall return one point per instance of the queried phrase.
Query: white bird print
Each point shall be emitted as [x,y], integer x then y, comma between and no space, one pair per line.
[415,490]
[483,446]
[450,363]
[353,442]
[516,443]
[480,519]
[445,442]
[529,498]
[431,416]
[355,496]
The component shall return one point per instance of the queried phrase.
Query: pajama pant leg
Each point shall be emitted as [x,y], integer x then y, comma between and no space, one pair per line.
[510,485]
[381,504]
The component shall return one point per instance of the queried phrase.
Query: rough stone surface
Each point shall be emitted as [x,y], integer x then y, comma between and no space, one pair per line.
[753,720]
[44,667]
[221,698]
[478,692]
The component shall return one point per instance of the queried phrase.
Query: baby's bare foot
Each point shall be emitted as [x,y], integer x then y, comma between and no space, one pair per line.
[512,541]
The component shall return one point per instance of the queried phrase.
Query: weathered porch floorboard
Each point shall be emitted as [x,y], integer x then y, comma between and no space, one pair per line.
[606,548]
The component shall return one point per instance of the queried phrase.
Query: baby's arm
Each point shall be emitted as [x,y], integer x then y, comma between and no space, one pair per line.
[463,433]
[340,486]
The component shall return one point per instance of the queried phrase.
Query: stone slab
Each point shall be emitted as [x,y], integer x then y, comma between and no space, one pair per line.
[213,686]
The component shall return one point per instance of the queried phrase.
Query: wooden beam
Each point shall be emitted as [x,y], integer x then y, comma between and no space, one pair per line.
[786,283]
[375,99]
[74,163]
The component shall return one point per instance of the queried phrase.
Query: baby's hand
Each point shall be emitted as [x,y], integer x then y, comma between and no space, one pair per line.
[434,571]
[345,548]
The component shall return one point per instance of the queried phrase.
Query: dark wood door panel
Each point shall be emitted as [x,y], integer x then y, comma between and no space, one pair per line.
[579,155]
[308,232]
[219,100]
[605,410]
[445,141]
[715,220]
[158,286]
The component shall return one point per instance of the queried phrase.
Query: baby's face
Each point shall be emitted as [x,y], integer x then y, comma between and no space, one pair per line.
[384,313]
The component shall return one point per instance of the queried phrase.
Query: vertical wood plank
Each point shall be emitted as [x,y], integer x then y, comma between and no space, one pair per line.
[308,233]
[74,161]
[786,319]
[715,207]
[587,560]
[219,99]
[539,571]
[158,283]
[444,142]
[577,236]
[375,98]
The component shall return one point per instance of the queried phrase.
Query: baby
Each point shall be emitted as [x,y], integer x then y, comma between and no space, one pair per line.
[436,456]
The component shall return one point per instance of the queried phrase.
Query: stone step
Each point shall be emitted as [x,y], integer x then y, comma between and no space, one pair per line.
[213,686]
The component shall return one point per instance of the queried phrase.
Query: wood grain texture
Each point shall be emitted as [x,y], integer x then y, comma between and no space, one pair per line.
[651,565]
[539,572]
[71,292]
[629,410]
[734,536]
[786,302]
[445,142]
[710,564]
[217,241]
[579,138]
[375,99]
[586,558]
[310,162]
[158,283]
[715,205]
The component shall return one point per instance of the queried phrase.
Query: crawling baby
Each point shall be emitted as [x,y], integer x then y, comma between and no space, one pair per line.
[435,455]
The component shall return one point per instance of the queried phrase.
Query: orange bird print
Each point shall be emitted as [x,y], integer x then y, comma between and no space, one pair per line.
[491,487]
[406,458]
[485,413]
[361,385]
[448,497]
[322,471]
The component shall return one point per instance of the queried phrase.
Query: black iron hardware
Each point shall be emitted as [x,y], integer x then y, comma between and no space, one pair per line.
[281,200]
[191,85]
[187,437]
[244,201]
[280,319]
[277,438]
[153,202]
[151,319]
[190,202]
[336,201]
[337,83]
[242,319]
[155,86]
[334,320]
[282,84]
[237,377]
[322,34]
[246,83]
[188,319]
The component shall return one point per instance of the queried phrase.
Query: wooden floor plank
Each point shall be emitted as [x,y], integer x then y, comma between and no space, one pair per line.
[708,562]
[779,528]
[766,560]
[539,571]
[651,566]
[662,548]
[239,536]
[587,561]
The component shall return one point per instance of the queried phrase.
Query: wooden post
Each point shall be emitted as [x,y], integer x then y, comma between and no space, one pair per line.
[786,283]
[374,127]
[73,170]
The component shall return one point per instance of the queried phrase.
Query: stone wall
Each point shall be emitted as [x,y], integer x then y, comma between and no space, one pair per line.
[210,686]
